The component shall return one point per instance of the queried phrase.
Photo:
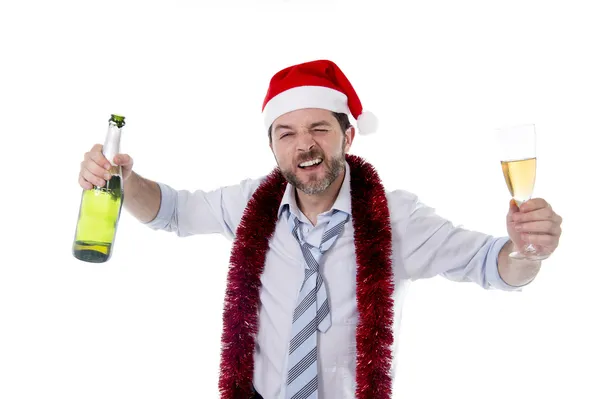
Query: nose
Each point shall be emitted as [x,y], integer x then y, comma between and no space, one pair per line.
[305,141]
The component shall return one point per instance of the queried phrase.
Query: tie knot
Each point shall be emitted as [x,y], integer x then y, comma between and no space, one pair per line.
[332,232]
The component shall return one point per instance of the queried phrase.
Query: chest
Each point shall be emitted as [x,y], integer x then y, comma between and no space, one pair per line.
[285,264]
[284,268]
[283,276]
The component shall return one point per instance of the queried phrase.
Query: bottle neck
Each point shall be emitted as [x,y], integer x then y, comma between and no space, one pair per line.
[112,142]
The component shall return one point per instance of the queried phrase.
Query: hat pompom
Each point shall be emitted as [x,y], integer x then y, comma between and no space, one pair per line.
[367,123]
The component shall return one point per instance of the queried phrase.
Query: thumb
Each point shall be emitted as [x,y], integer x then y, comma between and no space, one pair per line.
[513,207]
[123,160]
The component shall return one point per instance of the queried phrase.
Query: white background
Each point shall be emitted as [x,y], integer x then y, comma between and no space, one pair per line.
[190,80]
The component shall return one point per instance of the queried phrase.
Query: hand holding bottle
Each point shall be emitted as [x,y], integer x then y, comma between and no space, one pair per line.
[101,176]
[96,169]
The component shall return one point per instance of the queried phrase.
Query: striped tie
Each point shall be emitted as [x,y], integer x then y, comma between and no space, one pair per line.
[312,311]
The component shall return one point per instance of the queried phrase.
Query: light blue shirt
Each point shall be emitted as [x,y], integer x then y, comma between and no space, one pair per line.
[313,234]
[488,254]
[424,245]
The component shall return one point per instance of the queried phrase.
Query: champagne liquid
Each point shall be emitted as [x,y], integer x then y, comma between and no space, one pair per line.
[520,178]
[99,214]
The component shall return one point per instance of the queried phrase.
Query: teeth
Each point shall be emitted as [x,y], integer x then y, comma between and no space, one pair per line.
[310,163]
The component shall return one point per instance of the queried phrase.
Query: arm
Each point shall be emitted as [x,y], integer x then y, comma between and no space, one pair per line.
[431,245]
[142,197]
[201,212]
[161,207]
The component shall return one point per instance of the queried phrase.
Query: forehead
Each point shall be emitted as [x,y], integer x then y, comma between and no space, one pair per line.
[304,117]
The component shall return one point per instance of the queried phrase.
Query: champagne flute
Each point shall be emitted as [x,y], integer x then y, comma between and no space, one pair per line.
[517,145]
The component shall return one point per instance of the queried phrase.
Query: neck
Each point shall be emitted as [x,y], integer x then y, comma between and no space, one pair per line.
[313,205]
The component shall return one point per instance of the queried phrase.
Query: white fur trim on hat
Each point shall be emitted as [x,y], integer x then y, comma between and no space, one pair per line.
[305,97]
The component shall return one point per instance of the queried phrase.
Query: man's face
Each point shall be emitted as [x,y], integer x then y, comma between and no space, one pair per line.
[310,135]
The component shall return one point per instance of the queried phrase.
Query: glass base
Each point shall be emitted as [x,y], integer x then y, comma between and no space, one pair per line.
[528,255]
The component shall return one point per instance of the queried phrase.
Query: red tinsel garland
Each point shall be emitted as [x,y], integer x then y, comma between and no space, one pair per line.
[374,284]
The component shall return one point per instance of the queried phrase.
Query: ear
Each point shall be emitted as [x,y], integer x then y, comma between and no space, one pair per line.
[349,138]
[273,151]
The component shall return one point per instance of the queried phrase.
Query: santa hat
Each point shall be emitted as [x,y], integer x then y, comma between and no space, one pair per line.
[315,84]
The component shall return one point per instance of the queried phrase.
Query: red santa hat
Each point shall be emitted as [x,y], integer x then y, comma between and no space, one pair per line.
[315,84]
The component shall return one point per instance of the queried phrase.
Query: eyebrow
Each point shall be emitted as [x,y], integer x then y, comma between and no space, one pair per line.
[278,127]
[312,125]
[319,123]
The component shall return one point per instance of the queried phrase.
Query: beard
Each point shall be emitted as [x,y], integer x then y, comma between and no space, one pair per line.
[333,167]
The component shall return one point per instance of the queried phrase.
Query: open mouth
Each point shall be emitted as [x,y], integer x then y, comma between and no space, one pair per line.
[312,164]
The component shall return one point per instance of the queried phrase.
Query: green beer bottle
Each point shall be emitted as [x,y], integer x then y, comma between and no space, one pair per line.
[100,207]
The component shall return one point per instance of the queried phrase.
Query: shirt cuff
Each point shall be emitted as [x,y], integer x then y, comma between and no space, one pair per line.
[168,201]
[491,267]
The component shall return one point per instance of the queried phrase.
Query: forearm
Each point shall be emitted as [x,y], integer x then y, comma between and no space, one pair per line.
[516,272]
[142,197]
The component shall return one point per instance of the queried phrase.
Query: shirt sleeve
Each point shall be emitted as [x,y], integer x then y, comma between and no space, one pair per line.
[187,213]
[431,245]
[491,267]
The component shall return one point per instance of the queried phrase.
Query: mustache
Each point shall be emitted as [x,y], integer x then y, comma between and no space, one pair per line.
[309,156]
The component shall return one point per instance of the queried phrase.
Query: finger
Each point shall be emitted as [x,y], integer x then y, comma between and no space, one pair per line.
[536,215]
[558,219]
[544,240]
[123,160]
[91,178]
[96,148]
[544,227]
[534,204]
[513,207]
[95,169]
[97,156]
[85,184]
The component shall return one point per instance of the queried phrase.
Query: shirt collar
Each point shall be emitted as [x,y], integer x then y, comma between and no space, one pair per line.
[342,202]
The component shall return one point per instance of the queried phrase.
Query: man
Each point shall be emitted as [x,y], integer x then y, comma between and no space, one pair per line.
[322,253]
